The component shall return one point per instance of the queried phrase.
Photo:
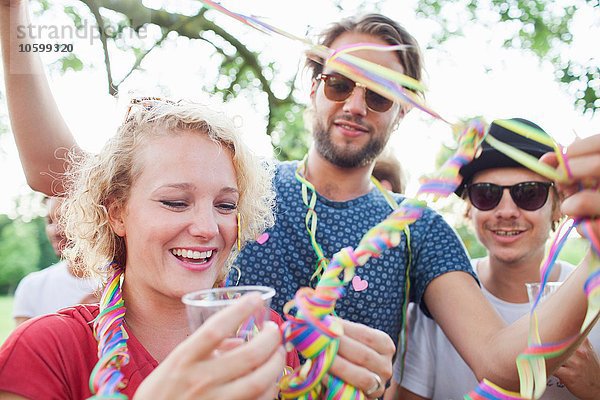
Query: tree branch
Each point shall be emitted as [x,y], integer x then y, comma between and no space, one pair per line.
[112,90]
[140,58]
[194,28]
[166,31]
[140,15]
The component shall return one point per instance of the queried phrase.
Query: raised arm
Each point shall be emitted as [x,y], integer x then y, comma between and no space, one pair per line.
[480,336]
[41,134]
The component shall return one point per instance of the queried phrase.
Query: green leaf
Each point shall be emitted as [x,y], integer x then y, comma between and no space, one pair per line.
[74,14]
[71,62]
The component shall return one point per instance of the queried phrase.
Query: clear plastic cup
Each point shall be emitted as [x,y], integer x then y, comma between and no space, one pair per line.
[533,289]
[202,304]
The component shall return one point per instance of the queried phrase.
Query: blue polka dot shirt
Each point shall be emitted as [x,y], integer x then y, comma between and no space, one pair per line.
[286,260]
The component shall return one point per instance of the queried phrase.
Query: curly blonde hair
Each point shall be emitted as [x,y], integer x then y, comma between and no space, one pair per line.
[96,182]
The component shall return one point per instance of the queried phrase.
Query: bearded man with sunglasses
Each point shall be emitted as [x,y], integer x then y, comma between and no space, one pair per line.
[351,126]
[513,210]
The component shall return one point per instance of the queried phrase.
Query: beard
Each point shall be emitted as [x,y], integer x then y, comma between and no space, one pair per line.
[349,155]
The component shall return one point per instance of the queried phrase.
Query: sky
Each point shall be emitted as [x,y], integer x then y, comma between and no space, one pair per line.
[469,75]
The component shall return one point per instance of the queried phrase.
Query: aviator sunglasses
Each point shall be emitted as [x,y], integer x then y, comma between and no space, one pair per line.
[338,88]
[529,196]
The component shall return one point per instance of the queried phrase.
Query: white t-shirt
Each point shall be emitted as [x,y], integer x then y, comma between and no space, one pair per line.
[49,290]
[434,369]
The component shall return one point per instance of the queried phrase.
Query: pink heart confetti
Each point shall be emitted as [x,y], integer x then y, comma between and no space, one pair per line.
[262,239]
[359,284]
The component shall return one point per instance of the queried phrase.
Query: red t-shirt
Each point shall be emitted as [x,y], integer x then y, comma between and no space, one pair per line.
[52,356]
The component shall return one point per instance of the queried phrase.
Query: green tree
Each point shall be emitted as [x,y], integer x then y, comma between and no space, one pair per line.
[19,251]
[24,245]
[538,26]
[47,254]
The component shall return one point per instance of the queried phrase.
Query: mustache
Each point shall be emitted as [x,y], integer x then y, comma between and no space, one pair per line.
[355,119]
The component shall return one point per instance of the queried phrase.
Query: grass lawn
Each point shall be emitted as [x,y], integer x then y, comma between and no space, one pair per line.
[6,321]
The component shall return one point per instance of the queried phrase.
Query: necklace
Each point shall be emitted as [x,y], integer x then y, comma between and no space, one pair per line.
[311,227]
[311,220]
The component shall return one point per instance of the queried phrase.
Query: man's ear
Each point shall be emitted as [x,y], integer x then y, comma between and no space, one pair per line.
[313,89]
[404,109]
[116,218]
[556,217]
[557,198]
[468,210]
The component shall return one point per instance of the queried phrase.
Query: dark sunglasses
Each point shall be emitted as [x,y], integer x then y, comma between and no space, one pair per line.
[338,88]
[529,196]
